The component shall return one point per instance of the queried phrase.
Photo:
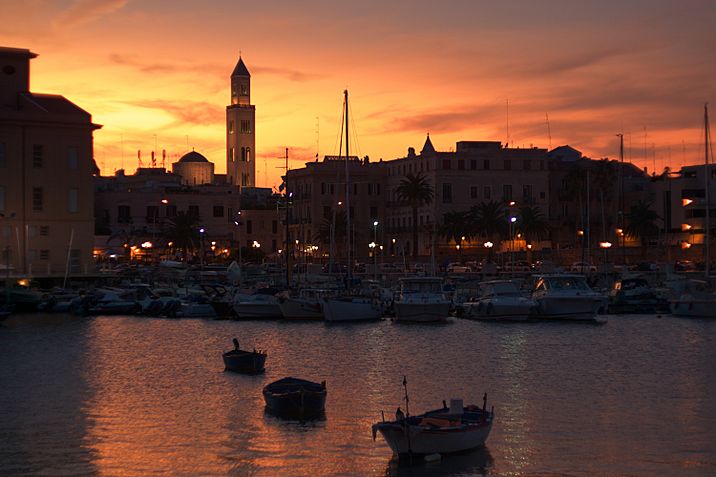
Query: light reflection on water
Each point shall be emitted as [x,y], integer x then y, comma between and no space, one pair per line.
[136,396]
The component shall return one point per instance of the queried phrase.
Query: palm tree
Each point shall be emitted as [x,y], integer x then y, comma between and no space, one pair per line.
[641,223]
[488,220]
[454,228]
[532,224]
[184,231]
[416,191]
[323,235]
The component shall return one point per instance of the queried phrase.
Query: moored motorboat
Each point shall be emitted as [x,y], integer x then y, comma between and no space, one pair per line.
[260,305]
[306,306]
[243,361]
[635,295]
[566,297]
[421,299]
[295,398]
[499,300]
[447,430]
[352,308]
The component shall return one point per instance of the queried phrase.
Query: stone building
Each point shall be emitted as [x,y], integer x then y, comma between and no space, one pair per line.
[46,169]
[194,169]
[241,130]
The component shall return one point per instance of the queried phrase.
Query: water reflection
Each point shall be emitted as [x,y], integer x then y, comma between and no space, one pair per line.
[476,462]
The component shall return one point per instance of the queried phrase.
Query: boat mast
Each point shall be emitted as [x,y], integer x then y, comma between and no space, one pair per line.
[348,194]
[707,174]
[621,196]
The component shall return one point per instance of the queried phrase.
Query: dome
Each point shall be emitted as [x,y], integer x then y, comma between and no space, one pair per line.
[193,156]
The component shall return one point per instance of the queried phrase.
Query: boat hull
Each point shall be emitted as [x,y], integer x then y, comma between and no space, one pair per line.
[694,308]
[422,312]
[295,399]
[357,309]
[244,362]
[424,440]
[298,309]
[579,308]
[498,310]
[248,310]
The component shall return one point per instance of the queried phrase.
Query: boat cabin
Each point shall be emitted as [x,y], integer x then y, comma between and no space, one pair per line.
[562,283]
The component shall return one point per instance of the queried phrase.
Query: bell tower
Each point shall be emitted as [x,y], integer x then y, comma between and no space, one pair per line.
[240,130]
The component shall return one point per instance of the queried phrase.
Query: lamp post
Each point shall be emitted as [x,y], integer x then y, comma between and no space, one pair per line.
[375,243]
[7,257]
[201,247]
[513,219]
[605,246]
[237,222]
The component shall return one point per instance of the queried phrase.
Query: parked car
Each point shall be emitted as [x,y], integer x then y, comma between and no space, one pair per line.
[517,266]
[457,268]
[582,267]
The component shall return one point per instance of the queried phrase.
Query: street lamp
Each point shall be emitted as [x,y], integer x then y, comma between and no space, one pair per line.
[201,246]
[513,219]
[373,246]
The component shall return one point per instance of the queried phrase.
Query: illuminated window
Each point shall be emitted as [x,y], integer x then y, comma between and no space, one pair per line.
[231,127]
[245,126]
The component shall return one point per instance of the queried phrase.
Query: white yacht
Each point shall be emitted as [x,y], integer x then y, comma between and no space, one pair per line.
[256,306]
[352,308]
[499,300]
[308,305]
[421,299]
[566,297]
[694,300]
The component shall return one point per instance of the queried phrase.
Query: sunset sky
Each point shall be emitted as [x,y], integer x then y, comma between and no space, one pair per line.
[158,71]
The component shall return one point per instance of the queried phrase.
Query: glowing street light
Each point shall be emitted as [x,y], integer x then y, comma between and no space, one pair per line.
[605,244]
[686,202]
[488,244]
[685,245]
[685,227]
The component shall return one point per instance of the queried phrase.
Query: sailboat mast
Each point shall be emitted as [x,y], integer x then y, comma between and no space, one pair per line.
[348,193]
[707,174]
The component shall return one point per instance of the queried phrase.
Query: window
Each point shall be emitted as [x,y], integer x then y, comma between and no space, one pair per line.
[72,200]
[473,164]
[44,254]
[248,154]
[193,210]
[124,214]
[171,211]
[44,230]
[243,154]
[370,189]
[273,245]
[541,165]
[218,211]
[487,193]
[542,195]
[355,189]
[527,165]
[3,161]
[446,164]
[72,158]
[323,188]
[377,189]
[508,165]
[37,199]
[327,213]
[232,154]
[245,126]
[244,89]
[527,193]
[461,164]
[37,153]
[75,255]
[447,193]
[231,127]
[374,213]
[249,226]
[244,179]
[2,198]
[486,164]
[274,226]
[473,192]
[507,192]
[152,214]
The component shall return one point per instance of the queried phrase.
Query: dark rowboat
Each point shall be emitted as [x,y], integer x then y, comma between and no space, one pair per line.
[295,398]
[248,362]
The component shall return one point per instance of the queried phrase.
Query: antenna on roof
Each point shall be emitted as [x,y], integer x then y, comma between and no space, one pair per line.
[139,157]
[549,132]
[507,108]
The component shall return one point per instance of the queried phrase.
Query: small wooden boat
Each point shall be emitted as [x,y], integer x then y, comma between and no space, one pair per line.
[295,398]
[443,431]
[241,361]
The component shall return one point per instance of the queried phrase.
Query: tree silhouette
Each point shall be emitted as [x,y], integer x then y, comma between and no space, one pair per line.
[641,223]
[183,230]
[532,223]
[416,191]
[454,227]
[323,234]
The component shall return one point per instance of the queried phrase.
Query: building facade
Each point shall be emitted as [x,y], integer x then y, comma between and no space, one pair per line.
[241,130]
[46,169]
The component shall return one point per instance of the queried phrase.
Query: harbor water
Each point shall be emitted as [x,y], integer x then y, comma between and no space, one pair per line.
[128,396]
